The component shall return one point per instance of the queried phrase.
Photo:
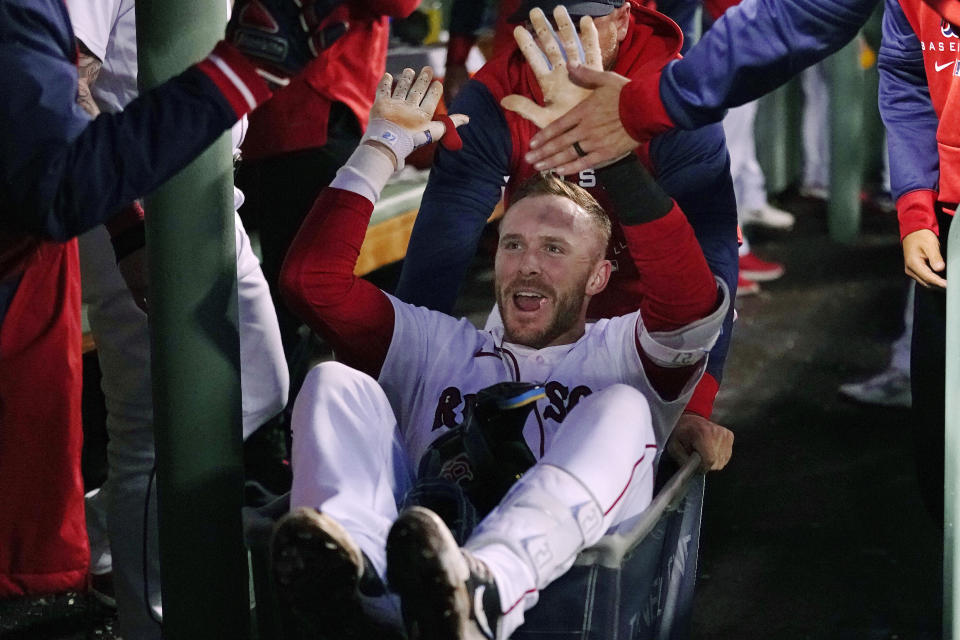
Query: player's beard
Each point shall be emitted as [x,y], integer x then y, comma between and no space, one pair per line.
[567,306]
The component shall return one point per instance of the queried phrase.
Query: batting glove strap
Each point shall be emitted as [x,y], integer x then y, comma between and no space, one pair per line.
[400,141]
[690,344]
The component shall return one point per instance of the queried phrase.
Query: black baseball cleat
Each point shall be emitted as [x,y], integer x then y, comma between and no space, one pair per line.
[445,593]
[321,576]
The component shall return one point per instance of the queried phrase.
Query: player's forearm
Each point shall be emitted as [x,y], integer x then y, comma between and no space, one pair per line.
[88,67]
[753,49]
[91,169]
[678,287]
[693,167]
[317,280]
[911,123]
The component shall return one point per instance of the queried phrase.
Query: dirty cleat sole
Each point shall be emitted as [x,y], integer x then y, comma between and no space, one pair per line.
[317,569]
[426,567]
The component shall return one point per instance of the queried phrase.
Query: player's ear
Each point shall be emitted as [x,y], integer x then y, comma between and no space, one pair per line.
[599,278]
[622,17]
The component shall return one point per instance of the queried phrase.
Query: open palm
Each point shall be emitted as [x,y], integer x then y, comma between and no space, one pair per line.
[549,60]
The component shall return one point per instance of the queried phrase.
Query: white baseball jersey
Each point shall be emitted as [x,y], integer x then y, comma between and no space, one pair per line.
[108,28]
[436,364]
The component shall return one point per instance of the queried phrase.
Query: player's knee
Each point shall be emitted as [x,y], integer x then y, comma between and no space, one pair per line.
[336,383]
[611,414]
[331,376]
[620,412]
[627,401]
[623,395]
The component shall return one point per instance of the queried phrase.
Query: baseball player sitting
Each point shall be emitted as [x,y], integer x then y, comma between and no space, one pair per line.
[368,431]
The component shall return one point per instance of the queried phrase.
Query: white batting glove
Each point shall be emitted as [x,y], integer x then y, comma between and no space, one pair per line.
[401,120]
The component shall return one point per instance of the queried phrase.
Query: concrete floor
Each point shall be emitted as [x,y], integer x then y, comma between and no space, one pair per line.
[815,529]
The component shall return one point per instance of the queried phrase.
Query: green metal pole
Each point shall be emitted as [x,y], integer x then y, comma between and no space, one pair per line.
[196,362]
[777,128]
[951,471]
[772,134]
[846,146]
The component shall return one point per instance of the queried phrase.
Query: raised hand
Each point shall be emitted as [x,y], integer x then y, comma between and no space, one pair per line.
[591,134]
[549,61]
[401,118]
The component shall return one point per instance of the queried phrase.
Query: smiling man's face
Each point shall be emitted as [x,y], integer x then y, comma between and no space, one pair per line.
[550,262]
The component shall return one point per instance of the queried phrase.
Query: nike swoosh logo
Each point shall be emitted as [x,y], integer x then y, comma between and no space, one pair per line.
[941,67]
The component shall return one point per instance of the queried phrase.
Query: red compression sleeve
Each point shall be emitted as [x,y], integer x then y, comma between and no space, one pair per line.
[701,402]
[678,287]
[318,284]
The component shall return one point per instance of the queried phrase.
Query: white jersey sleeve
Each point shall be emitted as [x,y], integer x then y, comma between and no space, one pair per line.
[622,338]
[689,344]
[108,28]
[94,20]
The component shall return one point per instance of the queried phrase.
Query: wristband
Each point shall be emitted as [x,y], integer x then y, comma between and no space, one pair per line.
[635,195]
[450,139]
[391,135]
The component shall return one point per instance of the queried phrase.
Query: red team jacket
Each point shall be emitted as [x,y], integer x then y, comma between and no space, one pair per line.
[940,46]
[60,175]
[348,72]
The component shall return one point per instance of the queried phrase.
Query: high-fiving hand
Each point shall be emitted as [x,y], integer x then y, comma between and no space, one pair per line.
[549,63]
[401,118]
[581,101]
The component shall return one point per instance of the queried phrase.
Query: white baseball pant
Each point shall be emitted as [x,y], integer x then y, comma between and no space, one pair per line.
[123,345]
[749,184]
[349,461]
[816,126]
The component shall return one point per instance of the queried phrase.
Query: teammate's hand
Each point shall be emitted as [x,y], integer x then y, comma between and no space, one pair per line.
[922,259]
[88,69]
[281,36]
[133,268]
[401,118]
[694,433]
[594,124]
[581,113]
[549,64]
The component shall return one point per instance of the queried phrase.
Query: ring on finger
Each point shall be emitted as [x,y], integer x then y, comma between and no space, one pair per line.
[579,149]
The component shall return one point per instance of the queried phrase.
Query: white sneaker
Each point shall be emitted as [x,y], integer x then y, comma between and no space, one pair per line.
[889,388]
[768,216]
